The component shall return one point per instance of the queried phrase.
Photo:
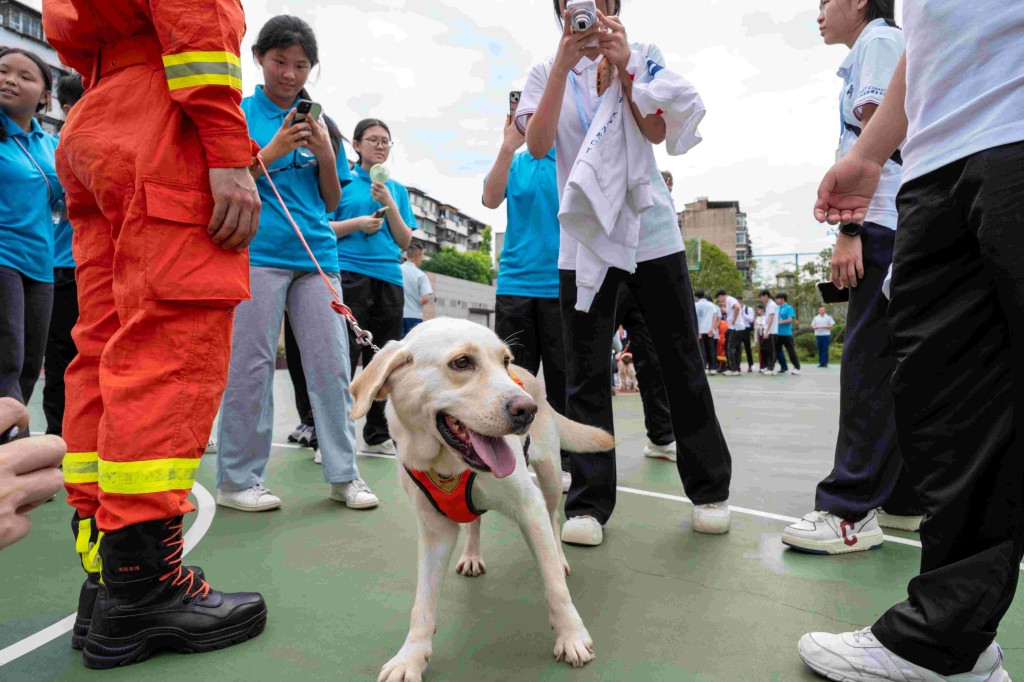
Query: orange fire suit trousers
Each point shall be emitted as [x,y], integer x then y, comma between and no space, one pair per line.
[156,297]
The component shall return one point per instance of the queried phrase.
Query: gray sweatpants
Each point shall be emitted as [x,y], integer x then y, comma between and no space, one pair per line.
[247,411]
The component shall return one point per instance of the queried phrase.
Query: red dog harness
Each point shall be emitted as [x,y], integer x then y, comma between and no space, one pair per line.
[450,495]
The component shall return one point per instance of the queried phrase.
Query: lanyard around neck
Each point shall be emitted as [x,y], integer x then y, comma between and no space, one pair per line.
[49,191]
[584,121]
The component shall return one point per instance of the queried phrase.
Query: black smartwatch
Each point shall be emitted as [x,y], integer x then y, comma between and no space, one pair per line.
[851,229]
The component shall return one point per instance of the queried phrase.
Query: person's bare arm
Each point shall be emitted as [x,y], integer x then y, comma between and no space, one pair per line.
[542,125]
[845,192]
[497,179]
[615,48]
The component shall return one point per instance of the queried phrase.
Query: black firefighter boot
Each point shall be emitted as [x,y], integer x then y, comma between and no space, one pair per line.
[148,602]
[87,535]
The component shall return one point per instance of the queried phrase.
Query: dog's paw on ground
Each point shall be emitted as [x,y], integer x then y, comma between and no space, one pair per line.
[406,666]
[574,649]
[470,565]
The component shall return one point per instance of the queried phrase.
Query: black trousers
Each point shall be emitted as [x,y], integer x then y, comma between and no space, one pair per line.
[24,319]
[734,346]
[657,416]
[60,348]
[378,305]
[784,344]
[746,344]
[768,357]
[868,463]
[661,288]
[709,351]
[298,377]
[957,316]
[532,328]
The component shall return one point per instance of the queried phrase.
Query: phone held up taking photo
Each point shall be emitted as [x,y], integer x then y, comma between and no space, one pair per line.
[306,108]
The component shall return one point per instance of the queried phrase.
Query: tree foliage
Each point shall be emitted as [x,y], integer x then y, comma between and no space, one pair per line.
[474,266]
[485,245]
[717,271]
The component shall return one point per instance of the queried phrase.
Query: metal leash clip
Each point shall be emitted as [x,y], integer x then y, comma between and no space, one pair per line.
[363,337]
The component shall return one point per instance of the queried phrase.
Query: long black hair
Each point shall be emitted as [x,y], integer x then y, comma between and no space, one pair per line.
[44,70]
[365,125]
[283,31]
[881,9]
[616,9]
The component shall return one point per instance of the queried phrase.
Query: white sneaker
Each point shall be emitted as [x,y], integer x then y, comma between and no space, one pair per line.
[730,373]
[566,481]
[582,530]
[823,533]
[859,657]
[794,372]
[665,452]
[770,372]
[211,445]
[385,448]
[318,458]
[713,519]
[355,494]
[255,499]
[908,523]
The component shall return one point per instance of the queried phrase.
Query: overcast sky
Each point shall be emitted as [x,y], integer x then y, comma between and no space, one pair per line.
[439,72]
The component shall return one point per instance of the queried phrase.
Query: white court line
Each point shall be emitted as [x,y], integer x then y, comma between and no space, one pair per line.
[206,508]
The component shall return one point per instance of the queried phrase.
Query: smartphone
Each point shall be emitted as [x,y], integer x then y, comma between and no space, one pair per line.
[830,293]
[380,212]
[513,102]
[306,108]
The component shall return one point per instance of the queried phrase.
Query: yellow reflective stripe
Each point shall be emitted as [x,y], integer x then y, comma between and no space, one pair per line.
[80,467]
[189,69]
[189,57]
[148,476]
[204,79]
[84,535]
[92,562]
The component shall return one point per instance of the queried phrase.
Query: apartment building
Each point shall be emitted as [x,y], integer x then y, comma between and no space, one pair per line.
[723,224]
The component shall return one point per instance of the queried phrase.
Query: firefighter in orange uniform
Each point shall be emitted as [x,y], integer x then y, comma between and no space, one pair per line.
[155,163]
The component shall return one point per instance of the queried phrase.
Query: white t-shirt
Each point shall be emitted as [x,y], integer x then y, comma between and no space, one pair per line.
[659,227]
[820,324]
[706,311]
[771,309]
[732,316]
[416,284]
[759,323]
[965,82]
[866,73]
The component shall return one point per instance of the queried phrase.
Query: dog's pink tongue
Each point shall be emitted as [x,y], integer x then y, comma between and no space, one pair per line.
[496,454]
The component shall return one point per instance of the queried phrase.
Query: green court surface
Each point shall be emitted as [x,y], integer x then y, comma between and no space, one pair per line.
[661,602]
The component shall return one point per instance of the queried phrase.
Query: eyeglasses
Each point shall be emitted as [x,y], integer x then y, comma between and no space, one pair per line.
[378,142]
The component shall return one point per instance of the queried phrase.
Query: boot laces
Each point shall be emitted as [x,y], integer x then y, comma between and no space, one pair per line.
[181,575]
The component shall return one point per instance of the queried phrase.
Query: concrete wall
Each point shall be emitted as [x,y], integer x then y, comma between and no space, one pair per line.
[461,299]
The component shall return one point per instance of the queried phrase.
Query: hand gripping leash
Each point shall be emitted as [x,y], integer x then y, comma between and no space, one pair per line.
[363,337]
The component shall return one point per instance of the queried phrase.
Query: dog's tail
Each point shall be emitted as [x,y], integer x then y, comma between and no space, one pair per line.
[576,437]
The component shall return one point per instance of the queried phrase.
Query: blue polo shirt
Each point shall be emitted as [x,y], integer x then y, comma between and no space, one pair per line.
[375,255]
[786,312]
[62,234]
[529,259]
[27,200]
[276,245]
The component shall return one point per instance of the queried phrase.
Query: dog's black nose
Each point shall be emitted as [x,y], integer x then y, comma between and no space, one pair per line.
[521,410]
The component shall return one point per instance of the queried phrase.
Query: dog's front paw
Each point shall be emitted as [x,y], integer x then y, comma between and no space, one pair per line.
[575,648]
[470,565]
[408,665]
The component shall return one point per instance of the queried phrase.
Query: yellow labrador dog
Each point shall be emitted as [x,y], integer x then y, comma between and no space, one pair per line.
[459,412]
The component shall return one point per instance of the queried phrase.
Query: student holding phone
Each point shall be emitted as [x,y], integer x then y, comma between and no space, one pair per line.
[374,224]
[867,475]
[526,310]
[283,277]
[590,95]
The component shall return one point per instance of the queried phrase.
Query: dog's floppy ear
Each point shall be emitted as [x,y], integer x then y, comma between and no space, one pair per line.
[371,384]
